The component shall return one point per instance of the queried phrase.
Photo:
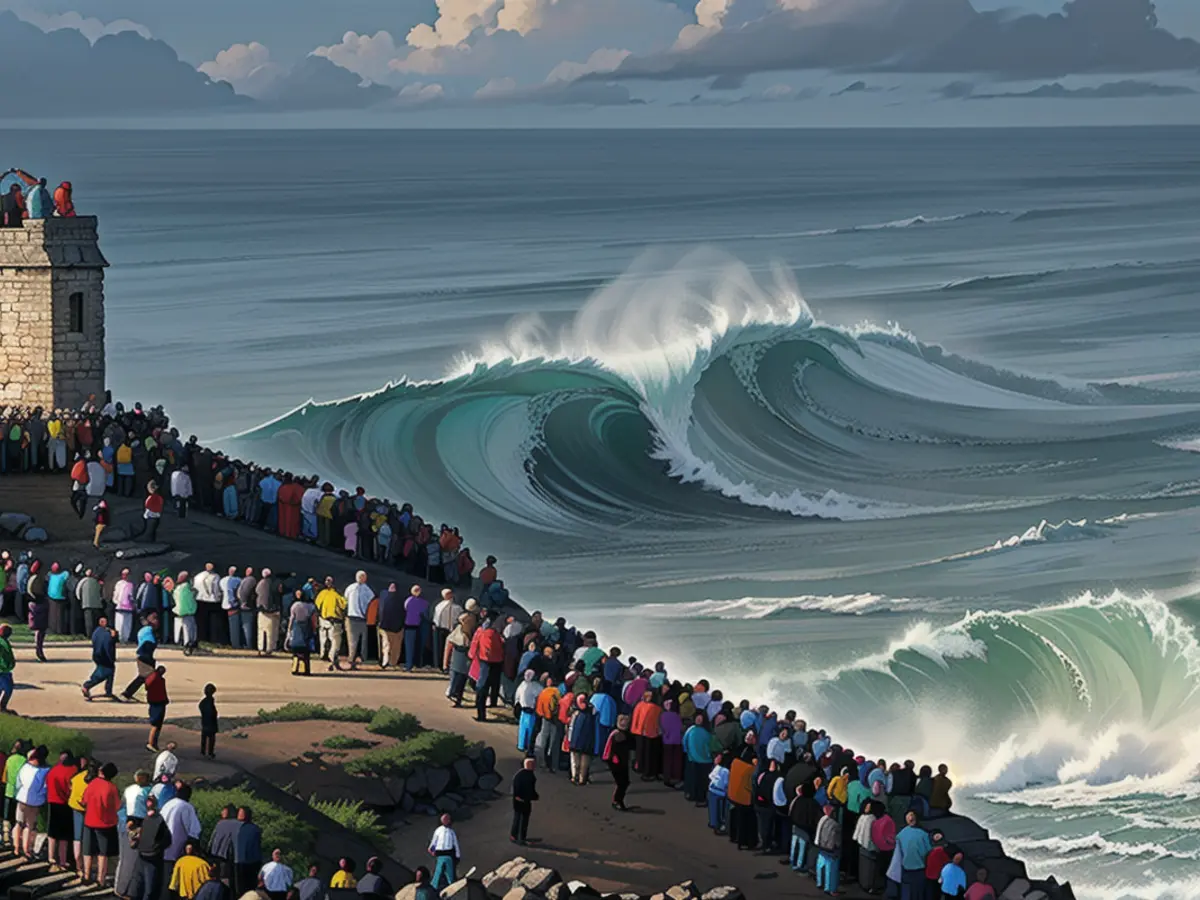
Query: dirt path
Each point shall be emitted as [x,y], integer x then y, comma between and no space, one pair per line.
[662,842]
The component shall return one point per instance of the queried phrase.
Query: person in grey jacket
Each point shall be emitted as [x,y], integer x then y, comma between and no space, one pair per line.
[91,600]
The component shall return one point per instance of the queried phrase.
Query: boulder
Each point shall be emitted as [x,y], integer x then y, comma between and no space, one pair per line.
[487,759]
[416,784]
[407,803]
[1016,890]
[465,889]
[686,890]
[437,780]
[465,773]
[473,752]
[35,534]
[539,879]
[489,781]
[395,789]
[1036,895]
[957,829]
[15,523]
[558,892]
[725,892]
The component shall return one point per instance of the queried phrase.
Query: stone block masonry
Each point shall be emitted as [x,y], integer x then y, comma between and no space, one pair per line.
[51,313]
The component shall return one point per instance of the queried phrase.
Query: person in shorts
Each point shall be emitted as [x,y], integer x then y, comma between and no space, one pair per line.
[59,825]
[12,766]
[89,771]
[101,802]
[156,702]
[31,797]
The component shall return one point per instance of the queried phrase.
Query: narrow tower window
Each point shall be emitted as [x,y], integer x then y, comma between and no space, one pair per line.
[76,309]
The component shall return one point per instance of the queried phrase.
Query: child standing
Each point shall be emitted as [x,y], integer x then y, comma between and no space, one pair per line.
[156,700]
[208,722]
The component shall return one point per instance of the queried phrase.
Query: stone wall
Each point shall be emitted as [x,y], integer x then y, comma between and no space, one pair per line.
[44,361]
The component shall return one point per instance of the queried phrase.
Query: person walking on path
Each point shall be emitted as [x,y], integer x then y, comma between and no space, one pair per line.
[444,846]
[300,633]
[618,752]
[100,518]
[156,702]
[8,663]
[104,658]
[147,644]
[524,794]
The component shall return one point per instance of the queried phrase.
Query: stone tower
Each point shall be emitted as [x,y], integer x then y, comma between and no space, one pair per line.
[51,313]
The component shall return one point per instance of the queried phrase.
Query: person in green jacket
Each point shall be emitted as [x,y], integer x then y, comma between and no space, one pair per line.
[8,662]
[16,759]
[185,613]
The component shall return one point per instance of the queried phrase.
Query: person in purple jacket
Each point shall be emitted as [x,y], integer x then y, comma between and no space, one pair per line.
[416,626]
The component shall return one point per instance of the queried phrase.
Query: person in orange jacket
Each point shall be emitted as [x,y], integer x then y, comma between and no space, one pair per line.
[63,204]
[647,736]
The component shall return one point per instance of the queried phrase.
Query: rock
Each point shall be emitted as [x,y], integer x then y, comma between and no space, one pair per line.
[1036,895]
[558,892]
[456,797]
[416,784]
[489,782]
[474,752]
[539,879]
[510,871]
[465,773]
[15,523]
[487,759]
[957,829]
[395,788]
[520,893]
[445,804]
[35,534]
[1015,890]
[437,780]
[465,889]
[684,891]
[407,803]
[725,892]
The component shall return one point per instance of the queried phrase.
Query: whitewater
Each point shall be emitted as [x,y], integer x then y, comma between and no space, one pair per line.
[898,428]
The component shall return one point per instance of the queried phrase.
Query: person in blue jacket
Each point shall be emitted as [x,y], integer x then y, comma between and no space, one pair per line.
[697,763]
[40,203]
[605,708]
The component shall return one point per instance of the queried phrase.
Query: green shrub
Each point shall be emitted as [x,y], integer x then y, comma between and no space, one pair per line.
[55,738]
[429,748]
[393,723]
[310,712]
[342,742]
[354,817]
[280,829]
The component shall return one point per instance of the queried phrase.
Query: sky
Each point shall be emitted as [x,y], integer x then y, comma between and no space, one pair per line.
[484,63]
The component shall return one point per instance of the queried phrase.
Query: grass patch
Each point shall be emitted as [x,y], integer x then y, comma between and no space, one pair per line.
[344,742]
[280,829]
[429,748]
[57,739]
[354,817]
[316,712]
[23,634]
[395,724]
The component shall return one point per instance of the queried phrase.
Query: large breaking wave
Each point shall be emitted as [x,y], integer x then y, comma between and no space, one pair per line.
[684,392]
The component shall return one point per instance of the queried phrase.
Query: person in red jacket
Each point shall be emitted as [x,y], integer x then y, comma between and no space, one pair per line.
[156,700]
[934,862]
[487,656]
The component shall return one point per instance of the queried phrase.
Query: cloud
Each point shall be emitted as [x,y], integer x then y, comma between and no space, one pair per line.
[1113,90]
[91,28]
[857,87]
[606,59]
[367,55]
[506,92]
[318,83]
[420,94]
[923,36]
[775,93]
[248,67]
[122,73]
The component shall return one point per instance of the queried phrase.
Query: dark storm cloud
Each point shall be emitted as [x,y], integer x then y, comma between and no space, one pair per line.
[930,36]
[62,74]
[318,84]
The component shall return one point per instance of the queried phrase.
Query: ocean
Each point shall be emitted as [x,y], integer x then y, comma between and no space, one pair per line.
[897,428]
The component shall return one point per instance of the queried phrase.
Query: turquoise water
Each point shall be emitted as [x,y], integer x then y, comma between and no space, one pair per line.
[899,428]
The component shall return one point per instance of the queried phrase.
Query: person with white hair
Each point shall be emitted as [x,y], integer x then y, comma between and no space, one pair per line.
[445,618]
[358,598]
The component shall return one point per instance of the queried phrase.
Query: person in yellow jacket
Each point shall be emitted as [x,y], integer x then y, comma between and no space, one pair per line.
[331,608]
[56,445]
[125,476]
[190,873]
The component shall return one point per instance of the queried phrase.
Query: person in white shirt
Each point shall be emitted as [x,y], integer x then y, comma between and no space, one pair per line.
[166,763]
[308,510]
[445,617]
[358,597]
[444,846]
[207,585]
[181,820]
[276,877]
[31,797]
[181,490]
[135,797]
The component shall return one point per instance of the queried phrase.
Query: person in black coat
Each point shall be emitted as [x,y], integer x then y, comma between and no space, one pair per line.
[524,794]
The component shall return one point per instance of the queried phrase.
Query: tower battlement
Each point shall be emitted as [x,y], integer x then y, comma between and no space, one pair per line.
[51,312]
